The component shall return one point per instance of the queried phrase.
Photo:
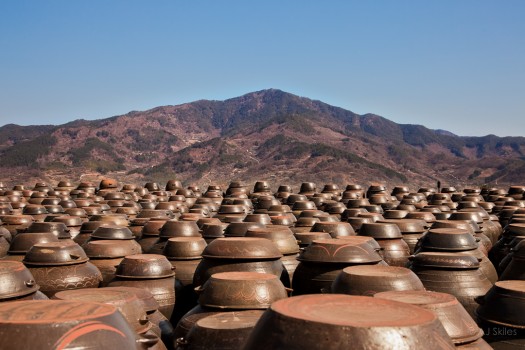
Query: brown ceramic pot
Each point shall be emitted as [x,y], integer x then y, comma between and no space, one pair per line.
[305,238]
[371,279]
[16,281]
[225,330]
[126,302]
[323,260]
[161,326]
[500,315]
[335,229]
[59,266]
[152,272]
[515,270]
[22,242]
[451,273]
[59,324]
[459,325]
[106,255]
[333,321]
[239,254]
[395,251]
[241,290]
[411,229]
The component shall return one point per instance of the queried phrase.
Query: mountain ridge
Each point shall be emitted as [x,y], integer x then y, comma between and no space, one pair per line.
[239,137]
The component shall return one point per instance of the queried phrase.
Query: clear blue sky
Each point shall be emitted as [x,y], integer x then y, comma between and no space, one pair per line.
[449,64]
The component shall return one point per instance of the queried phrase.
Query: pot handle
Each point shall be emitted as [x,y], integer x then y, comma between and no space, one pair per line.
[288,290]
[198,289]
[75,257]
[30,283]
[411,257]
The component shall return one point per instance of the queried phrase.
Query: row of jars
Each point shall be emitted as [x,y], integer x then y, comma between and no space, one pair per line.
[240,220]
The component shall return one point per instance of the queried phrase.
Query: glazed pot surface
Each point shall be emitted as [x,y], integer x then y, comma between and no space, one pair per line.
[332,321]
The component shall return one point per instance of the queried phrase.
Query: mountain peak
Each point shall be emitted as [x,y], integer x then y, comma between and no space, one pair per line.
[262,134]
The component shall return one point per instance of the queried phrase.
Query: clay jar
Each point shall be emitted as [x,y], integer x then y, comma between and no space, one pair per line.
[260,218]
[184,254]
[447,239]
[234,210]
[239,229]
[470,226]
[265,202]
[395,214]
[500,315]
[22,242]
[59,324]
[508,258]
[152,272]
[16,222]
[501,248]
[395,251]
[107,254]
[224,330]
[357,222]
[300,206]
[515,270]
[114,232]
[73,224]
[411,229]
[86,229]
[59,229]
[459,325]
[17,283]
[241,290]
[161,326]
[200,312]
[111,219]
[38,212]
[335,229]
[150,233]
[5,233]
[211,231]
[180,250]
[59,266]
[174,228]
[239,254]
[285,241]
[451,273]
[305,238]
[323,260]
[304,224]
[371,279]
[127,303]
[458,241]
[333,321]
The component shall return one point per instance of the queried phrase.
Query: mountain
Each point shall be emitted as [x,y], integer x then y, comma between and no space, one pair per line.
[268,134]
